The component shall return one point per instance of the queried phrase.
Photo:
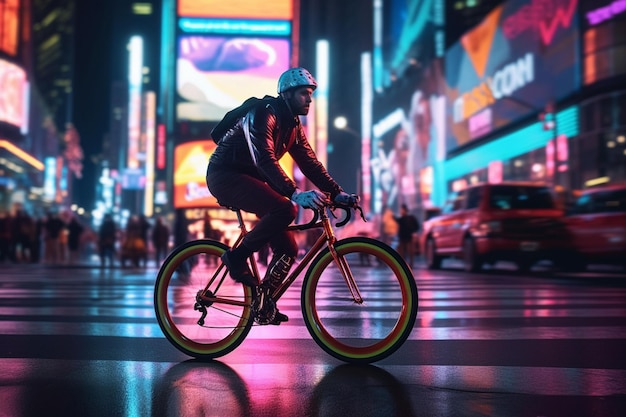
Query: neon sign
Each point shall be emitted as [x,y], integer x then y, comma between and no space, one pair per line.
[602,14]
[541,16]
[503,83]
[13,98]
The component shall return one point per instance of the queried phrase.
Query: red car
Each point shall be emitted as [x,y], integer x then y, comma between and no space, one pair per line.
[596,224]
[486,223]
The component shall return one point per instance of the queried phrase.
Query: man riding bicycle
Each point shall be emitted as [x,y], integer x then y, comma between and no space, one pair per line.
[244,172]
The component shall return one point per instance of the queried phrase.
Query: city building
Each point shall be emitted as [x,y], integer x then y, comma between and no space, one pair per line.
[531,92]
[31,174]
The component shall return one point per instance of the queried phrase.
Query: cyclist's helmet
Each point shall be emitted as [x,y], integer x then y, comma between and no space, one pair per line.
[295,77]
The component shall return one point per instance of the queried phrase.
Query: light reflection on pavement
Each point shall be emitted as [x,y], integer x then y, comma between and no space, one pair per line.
[87,344]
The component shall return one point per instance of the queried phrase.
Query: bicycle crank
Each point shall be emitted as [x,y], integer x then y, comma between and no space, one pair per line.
[264,307]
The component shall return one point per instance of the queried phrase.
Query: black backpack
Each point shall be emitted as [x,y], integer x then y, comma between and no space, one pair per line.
[231,118]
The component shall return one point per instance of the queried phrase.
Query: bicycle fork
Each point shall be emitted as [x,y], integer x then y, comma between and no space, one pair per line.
[341,262]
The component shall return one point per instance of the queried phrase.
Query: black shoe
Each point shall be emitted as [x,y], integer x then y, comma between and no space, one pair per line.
[239,271]
[280,317]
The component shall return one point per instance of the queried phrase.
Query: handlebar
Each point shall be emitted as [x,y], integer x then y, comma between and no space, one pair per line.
[332,207]
[347,209]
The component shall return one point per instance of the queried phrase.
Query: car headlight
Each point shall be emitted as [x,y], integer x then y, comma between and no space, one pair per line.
[488,228]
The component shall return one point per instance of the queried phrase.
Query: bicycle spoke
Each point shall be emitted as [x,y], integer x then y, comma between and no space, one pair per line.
[367,331]
[201,326]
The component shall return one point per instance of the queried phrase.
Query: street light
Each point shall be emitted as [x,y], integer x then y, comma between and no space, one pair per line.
[341,123]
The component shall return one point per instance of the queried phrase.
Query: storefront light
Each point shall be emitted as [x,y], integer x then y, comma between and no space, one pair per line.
[537,168]
[597,181]
[621,139]
[23,155]
[610,144]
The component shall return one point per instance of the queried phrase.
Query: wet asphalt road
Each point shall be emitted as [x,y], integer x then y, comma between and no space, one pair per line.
[79,341]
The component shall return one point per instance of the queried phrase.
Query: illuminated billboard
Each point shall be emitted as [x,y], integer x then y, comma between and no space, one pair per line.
[190,164]
[407,32]
[13,100]
[246,9]
[408,135]
[521,57]
[216,74]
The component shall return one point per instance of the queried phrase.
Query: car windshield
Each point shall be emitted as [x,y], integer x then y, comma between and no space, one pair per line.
[610,201]
[510,197]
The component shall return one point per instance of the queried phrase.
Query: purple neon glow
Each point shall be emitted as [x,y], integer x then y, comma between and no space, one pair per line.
[605,13]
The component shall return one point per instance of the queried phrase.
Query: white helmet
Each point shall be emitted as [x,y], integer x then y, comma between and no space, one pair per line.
[295,77]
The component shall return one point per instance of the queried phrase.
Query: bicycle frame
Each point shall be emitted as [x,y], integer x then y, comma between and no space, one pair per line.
[326,238]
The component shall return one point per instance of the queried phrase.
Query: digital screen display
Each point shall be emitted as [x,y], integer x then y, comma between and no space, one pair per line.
[510,66]
[190,163]
[14,89]
[216,74]
[412,31]
[254,9]
[409,132]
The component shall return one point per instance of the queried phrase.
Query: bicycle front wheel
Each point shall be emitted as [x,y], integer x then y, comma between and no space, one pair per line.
[200,309]
[368,329]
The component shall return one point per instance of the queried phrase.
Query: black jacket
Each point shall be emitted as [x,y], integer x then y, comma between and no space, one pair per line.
[274,131]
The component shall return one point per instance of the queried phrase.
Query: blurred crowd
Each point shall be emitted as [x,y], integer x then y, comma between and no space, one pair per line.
[63,238]
[54,238]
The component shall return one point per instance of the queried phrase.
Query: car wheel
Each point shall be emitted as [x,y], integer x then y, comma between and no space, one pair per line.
[471,260]
[432,260]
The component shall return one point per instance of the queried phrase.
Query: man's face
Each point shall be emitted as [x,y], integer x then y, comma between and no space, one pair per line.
[300,100]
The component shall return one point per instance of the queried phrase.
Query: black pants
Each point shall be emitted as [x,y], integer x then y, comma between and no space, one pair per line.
[250,194]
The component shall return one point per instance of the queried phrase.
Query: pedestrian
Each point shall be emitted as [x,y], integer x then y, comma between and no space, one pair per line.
[160,239]
[388,225]
[244,172]
[24,230]
[107,235]
[145,227]
[5,236]
[74,234]
[407,226]
[134,245]
[53,227]
[208,230]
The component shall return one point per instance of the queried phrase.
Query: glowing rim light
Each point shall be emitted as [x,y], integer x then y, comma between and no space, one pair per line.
[396,335]
[170,328]
[25,156]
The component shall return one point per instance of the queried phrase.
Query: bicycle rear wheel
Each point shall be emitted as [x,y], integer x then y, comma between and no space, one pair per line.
[187,271]
[374,329]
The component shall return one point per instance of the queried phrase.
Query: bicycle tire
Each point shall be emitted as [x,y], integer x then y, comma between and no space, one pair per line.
[360,333]
[186,271]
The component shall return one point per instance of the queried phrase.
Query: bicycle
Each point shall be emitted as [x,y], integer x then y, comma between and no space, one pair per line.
[354,312]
